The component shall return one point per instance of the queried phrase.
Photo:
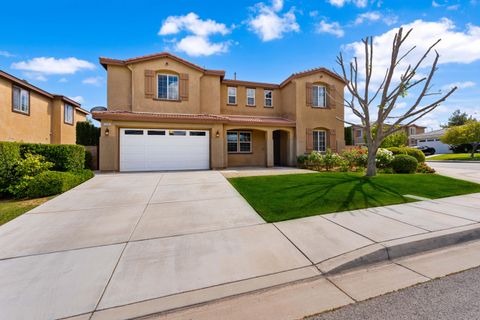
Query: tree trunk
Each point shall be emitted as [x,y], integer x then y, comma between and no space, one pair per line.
[474,147]
[371,163]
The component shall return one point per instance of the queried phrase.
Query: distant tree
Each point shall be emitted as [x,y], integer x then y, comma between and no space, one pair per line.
[348,136]
[87,134]
[468,133]
[397,139]
[457,118]
[375,106]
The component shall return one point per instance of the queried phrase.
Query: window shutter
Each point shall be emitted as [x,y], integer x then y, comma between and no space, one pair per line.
[331,96]
[309,94]
[332,140]
[184,86]
[309,141]
[149,81]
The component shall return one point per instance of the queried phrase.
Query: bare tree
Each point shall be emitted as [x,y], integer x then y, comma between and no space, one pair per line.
[388,92]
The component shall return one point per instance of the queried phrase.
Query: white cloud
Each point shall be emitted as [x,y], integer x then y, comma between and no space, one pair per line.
[197,42]
[35,76]
[63,80]
[459,85]
[95,81]
[200,46]
[333,28]
[193,24]
[49,65]
[435,4]
[453,7]
[456,46]
[341,3]
[313,13]
[374,16]
[78,99]
[269,24]
[6,54]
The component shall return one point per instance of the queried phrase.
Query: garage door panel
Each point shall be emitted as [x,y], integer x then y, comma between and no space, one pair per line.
[156,149]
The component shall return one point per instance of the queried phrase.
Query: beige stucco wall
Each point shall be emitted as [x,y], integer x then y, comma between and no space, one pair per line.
[241,108]
[210,94]
[323,118]
[21,127]
[119,88]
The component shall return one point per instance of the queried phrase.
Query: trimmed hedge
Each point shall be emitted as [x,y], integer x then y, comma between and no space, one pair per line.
[403,163]
[417,154]
[9,158]
[49,183]
[65,157]
[87,134]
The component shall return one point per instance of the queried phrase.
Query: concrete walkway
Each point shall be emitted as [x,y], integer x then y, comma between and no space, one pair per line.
[127,245]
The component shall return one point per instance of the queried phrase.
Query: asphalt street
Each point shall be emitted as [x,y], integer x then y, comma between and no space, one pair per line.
[455,297]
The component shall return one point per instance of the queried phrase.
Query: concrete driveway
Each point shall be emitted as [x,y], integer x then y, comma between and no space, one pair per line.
[126,245]
[458,169]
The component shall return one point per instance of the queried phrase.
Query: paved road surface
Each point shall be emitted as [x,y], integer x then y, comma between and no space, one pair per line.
[455,297]
[460,170]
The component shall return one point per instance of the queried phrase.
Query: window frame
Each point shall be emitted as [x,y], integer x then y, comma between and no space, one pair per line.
[265,91]
[168,75]
[21,89]
[317,147]
[318,86]
[229,95]
[412,130]
[65,108]
[248,97]
[238,142]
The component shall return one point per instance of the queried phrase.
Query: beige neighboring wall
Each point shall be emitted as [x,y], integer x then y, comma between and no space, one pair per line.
[319,118]
[33,127]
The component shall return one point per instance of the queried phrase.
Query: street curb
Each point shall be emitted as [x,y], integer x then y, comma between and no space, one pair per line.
[453,161]
[394,249]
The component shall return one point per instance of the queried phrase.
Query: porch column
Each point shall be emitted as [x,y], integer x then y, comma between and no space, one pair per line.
[292,161]
[270,153]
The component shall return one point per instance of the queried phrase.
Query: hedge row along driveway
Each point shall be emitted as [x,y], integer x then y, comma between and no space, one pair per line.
[285,197]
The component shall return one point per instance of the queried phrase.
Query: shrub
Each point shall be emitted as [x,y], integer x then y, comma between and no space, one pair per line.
[9,158]
[87,134]
[49,183]
[355,157]
[397,150]
[424,168]
[88,160]
[315,160]
[301,160]
[404,164]
[383,158]
[397,139]
[331,160]
[417,154]
[32,165]
[65,157]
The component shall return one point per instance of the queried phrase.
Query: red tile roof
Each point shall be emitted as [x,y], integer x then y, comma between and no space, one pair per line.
[192,118]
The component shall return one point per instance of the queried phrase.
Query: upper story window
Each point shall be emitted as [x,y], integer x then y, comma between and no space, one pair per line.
[412,130]
[68,113]
[167,86]
[250,97]
[268,98]
[232,95]
[319,96]
[21,100]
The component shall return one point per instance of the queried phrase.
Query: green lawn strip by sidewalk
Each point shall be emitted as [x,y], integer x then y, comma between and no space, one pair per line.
[10,209]
[285,197]
[455,156]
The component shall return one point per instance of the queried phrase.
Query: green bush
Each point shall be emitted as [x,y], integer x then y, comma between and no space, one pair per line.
[384,158]
[403,163]
[301,160]
[87,134]
[417,154]
[355,157]
[9,158]
[65,157]
[49,183]
[331,160]
[88,160]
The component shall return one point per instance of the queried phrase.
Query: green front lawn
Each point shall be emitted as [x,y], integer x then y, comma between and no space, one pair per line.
[284,197]
[10,209]
[456,156]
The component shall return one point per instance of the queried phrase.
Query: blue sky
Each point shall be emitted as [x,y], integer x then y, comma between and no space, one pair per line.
[56,44]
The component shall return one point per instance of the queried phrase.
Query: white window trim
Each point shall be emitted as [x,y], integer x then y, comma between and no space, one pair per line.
[238,141]
[265,98]
[18,108]
[229,95]
[317,147]
[66,109]
[318,97]
[254,93]
[168,91]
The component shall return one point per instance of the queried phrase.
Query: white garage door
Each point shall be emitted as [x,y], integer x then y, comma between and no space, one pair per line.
[164,149]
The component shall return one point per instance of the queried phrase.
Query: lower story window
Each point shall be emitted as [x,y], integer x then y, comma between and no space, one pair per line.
[239,141]
[320,140]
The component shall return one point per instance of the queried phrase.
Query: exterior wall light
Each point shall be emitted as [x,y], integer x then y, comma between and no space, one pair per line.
[217,134]
[107,132]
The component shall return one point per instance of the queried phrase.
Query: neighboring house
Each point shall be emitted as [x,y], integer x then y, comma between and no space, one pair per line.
[30,114]
[432,139]
[165,113]
[358,134]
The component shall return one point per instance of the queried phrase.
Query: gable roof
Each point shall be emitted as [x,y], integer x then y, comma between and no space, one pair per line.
[310,72]
[108,61]
[27,85]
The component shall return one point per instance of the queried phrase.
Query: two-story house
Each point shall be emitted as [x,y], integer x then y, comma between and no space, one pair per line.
[165,113]
[30,114]
[358,134]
